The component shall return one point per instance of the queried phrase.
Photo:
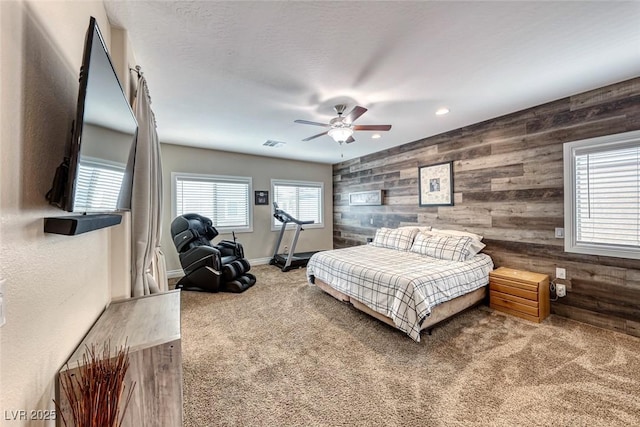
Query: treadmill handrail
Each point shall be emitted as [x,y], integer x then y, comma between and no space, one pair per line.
[284,217]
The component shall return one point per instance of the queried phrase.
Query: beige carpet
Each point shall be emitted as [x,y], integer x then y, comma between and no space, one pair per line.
[286,354]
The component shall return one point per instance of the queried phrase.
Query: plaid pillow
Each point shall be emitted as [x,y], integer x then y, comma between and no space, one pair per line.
[476,245]
[417,227]
[400,239]
[452,248]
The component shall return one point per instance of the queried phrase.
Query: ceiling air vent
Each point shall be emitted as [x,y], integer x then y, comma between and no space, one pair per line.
[274,144]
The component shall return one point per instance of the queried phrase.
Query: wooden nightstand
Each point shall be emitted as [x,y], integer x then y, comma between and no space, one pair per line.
[520,293]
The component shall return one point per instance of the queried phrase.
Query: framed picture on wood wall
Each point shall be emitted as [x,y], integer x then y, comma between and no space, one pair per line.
[365,198]
[435,184]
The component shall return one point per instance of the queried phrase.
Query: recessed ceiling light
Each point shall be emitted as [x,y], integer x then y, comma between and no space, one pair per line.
[376,136]
[442,111]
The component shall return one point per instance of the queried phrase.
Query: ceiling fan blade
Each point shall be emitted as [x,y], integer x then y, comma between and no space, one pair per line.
[371,127]
[354,114]
[315,136]
[307,122]
[350,140]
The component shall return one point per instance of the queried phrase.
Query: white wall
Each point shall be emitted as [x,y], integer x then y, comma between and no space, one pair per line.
[56,285]
[122,57]
[259,243]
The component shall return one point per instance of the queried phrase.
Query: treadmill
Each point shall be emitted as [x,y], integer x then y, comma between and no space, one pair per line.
[289,260]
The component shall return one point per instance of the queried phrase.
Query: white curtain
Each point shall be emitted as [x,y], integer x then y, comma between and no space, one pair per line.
[149,273]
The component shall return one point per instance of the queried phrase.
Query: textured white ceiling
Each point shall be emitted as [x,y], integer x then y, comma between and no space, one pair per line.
[231,75]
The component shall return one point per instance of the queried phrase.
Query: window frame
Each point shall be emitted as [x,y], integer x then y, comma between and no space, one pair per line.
[570,151]
[215,178]
[297,183]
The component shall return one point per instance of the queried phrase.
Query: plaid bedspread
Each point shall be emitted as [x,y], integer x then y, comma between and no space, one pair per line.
[404,286]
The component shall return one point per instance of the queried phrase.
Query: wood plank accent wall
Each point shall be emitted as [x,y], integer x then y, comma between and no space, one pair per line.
[508,186]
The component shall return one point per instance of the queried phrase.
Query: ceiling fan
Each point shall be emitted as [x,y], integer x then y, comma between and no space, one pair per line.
[342,128]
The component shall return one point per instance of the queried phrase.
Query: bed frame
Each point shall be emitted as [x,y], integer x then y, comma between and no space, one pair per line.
[438,313]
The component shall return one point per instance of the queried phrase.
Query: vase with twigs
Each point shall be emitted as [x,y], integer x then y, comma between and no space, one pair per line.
[95,389]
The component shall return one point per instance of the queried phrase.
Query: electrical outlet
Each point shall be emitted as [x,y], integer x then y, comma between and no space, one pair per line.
[561,290]
[559,233]
[561,273]
[286,250]
[371,221]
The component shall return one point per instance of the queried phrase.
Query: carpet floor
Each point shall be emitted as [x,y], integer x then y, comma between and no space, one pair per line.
[284,353]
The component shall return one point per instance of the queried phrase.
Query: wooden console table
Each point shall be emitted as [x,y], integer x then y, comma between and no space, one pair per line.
[150,326]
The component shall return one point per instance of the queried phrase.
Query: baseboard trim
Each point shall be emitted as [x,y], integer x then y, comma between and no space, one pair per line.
[176,274]
[260,261]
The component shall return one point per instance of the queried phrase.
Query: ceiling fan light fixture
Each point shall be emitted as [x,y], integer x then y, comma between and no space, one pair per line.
[442,111]
[376,136]
[340,134]
[341,128]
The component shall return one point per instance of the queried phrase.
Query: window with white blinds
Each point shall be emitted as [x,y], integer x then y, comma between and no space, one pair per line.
[223,199]
[602,196]
[300,199]
[98,186]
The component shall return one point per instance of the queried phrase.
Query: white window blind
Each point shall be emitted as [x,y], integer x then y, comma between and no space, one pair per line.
[225,200]
[302,200]
[604,197]
[607,194]
[98,186]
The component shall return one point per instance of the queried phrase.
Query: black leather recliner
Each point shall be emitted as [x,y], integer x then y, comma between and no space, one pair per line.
[207,267]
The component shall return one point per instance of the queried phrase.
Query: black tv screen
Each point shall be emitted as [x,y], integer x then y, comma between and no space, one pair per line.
[100,171]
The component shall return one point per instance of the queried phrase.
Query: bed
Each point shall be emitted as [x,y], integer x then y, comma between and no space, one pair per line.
[408,278]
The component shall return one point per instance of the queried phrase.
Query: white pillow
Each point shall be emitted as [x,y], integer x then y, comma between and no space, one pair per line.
[394,238]
[451,248]
[476,244]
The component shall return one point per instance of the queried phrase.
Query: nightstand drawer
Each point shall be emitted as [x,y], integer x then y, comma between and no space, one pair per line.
[518,304]
[531,287]
[531,292]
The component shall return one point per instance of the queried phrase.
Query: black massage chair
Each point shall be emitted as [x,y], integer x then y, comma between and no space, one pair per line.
[207,267]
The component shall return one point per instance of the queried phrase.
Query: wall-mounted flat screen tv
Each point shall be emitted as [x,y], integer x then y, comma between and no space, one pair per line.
[100,163]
